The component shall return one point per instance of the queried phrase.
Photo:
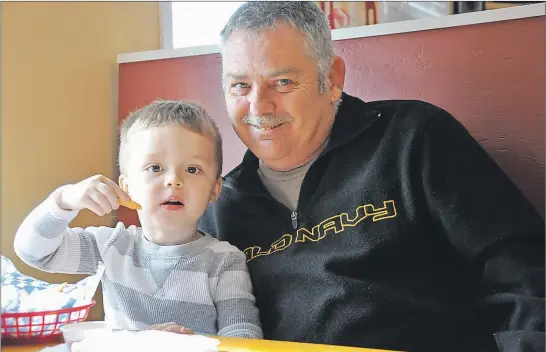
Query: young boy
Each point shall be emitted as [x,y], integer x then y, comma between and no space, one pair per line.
[170,160]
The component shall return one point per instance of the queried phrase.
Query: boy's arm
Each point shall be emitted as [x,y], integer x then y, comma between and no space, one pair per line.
[234,300]
[44,240]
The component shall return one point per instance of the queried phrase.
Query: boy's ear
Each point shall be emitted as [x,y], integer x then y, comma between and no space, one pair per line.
[216,190]
[122,181]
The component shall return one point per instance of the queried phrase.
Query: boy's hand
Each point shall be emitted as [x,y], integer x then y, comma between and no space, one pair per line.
[172,327]
[96,193]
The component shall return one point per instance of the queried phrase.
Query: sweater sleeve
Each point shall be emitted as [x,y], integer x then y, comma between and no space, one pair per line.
[234,300]
[493,226]
[44,241]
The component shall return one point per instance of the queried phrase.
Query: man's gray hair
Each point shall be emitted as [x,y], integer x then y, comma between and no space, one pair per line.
[255,16]
[171,112]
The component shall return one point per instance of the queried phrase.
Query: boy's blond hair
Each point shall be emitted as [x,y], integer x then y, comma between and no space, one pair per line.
[171,112]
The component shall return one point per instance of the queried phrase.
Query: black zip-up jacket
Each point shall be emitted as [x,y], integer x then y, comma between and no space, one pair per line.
[407,236]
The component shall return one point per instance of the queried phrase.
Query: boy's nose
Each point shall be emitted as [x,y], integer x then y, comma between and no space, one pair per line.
[177,184]
[173,182]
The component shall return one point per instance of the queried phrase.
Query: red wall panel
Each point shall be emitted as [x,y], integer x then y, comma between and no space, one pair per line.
[491,77]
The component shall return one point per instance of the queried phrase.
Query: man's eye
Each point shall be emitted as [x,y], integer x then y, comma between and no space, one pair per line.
[154,168]
[193,170]
[284,85]
[239,88]
[284,82]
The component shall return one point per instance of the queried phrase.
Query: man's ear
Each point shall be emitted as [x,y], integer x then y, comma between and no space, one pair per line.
[122,181]
[336,79]
[216,190]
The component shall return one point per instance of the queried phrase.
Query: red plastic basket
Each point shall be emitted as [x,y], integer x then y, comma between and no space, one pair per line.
[40,325]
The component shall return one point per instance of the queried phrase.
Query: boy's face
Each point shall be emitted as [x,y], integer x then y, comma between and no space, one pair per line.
[171,172]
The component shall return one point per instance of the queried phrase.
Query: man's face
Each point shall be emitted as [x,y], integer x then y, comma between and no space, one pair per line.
[273,99]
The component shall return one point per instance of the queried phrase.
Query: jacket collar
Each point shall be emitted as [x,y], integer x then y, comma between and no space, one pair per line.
[353,117]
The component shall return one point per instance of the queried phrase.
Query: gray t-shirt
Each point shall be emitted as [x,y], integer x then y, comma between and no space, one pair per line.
[284,186]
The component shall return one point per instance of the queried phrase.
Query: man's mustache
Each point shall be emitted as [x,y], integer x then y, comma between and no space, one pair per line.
[266,121]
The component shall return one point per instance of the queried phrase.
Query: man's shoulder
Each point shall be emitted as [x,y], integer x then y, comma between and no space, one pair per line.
[403,115]
[414,110]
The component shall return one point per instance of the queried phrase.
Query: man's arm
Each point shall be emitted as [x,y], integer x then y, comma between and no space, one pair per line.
[234,301]
[495,228]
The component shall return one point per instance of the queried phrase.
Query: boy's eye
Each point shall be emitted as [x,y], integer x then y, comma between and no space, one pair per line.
[154,168]
[193,170]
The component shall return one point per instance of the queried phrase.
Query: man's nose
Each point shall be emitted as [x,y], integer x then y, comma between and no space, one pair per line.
[260,101]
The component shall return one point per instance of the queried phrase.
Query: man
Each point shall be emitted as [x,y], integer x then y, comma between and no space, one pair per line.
[379,224]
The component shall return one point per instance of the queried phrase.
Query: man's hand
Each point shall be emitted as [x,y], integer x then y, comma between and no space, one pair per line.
[172,327]
[96,193]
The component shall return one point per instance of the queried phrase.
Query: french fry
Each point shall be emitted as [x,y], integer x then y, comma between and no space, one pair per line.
[62,286]
[130,204]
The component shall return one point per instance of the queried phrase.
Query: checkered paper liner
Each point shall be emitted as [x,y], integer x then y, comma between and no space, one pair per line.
[35,308]
[23,294]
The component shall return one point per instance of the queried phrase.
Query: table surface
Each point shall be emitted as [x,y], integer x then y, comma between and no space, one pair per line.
[226,345]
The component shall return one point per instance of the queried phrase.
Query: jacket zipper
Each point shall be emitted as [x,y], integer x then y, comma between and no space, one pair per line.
[294,214]
[294,217]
